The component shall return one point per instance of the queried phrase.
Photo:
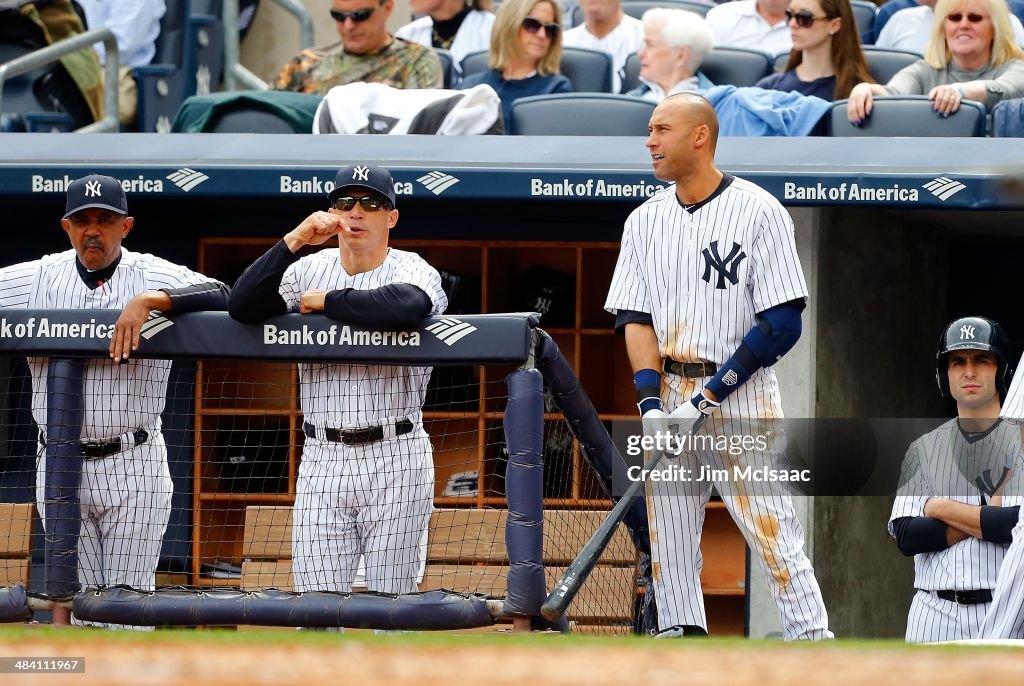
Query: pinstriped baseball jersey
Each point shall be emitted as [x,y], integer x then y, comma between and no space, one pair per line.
[1013,406]
[945,463]
[371,393]
[620,43]
[703,276]
[118,398]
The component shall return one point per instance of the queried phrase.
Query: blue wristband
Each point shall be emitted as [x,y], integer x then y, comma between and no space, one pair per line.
[648,390]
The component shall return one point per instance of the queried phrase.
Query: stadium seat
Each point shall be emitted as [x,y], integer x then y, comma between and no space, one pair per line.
[1008,119]
[737,66]
[581,114]
[631,73]
[589,70]
[884,63]
[864,14]
[636,8]
[910,115]
[451,79]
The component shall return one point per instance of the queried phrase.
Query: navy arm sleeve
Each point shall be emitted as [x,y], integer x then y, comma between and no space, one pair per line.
[256,295]
[395,306]
[200,297]
[916,535]
[624,317]
[997,523]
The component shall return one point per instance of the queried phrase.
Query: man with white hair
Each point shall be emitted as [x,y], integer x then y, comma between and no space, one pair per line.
[607,28]
[675,44]
[754,24]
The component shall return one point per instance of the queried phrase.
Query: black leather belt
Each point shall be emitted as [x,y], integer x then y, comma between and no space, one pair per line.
[983,595]
[95,451]
[368,434]
[691,370]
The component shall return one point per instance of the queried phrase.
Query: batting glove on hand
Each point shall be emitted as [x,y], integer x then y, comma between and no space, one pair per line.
[654,421]
[692,414]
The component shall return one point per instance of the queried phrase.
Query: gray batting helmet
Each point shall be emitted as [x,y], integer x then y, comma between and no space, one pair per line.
[974,333]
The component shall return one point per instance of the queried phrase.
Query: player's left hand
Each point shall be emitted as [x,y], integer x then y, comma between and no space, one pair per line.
[691,415]
[945,99]
[128,327]
[313,300]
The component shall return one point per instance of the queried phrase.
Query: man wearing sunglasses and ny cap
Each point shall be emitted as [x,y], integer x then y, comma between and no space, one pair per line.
[366,52]
[366,481]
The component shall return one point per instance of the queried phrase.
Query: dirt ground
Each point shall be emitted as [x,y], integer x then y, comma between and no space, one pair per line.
[337,660]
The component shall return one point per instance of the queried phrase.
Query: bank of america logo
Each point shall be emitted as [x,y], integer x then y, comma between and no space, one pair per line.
[186,179]
[944,188]
[155,325]
[450,331]
[437,182]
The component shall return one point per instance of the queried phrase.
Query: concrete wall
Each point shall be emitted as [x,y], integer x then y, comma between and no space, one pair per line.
[274,36]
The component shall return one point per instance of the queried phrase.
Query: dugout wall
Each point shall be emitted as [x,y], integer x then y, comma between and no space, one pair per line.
[874,259]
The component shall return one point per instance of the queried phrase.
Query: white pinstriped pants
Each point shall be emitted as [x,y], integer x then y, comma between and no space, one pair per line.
[369,501]
[933,619]
[1005,618]
[125,504]
[763,513]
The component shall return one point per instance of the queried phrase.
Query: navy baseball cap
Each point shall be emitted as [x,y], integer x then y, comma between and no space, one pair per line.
[377,179]
[96,190]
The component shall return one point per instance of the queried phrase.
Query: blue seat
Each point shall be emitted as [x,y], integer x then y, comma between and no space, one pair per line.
[581,114]
[451,79]
[884,63]
[909,115]
[863,14]
[631,73]
[1008,119]
[737,66]
[589,70]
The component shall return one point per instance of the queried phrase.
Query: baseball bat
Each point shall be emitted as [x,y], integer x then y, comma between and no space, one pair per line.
[577,572]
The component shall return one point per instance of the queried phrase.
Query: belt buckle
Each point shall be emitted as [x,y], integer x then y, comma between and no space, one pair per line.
[962,597]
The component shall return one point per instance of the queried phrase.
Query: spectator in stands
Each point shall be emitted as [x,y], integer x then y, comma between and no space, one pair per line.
[886,12]
[754,24]
[136,25]
[826,60]
[911,29]
[675,43]
[366,52]
[607,28]
[972,56]
[451,25]
[526,50]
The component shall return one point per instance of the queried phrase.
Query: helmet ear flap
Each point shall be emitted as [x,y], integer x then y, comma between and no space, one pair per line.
[941,377]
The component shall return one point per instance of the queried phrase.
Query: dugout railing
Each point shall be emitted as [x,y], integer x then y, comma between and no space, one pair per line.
[228,384]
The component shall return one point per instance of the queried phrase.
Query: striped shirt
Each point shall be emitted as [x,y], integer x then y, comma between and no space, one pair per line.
[620,43]
[117,398]
[348,395]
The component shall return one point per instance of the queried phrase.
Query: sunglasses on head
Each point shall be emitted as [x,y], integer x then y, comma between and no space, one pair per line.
[957,17]
[804,18]
[371,203]
[357,16]
[534,25]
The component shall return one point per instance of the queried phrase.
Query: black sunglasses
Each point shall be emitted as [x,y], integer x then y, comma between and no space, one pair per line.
[371,203]
[357,16]
[534,25]
[804,18]
[957,17]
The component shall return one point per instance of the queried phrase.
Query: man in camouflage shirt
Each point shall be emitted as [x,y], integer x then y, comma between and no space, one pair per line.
[367,52]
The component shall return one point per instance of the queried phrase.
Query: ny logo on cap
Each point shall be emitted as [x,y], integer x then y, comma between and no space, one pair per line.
[966,332]
[361,174]
[92,189]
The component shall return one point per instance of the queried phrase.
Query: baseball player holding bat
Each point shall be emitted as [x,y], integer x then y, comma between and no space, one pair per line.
[125,494]
[708,291]
[366,481]
[949,511]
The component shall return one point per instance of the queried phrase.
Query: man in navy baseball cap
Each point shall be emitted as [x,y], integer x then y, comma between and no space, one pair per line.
[376,179]
[96,190]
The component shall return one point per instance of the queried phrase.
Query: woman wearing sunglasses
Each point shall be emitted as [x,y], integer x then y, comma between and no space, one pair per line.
[971,56]
[526,50]
[826,60]
[453,25]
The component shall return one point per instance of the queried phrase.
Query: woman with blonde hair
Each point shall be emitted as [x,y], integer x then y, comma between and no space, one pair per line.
[826,60]
[525,53]
[971,56]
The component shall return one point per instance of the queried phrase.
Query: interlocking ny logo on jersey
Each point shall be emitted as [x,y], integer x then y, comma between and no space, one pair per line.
[437,182]
[944,188]
[186,179]
[449,331]
[361,174]
[155,325]
[967,332]
[92,189]
[725,266]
